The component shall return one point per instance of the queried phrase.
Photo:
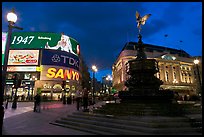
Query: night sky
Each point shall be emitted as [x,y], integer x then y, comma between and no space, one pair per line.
[103,28]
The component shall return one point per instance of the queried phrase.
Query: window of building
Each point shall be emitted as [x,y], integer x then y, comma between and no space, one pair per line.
[187,68]
[27,76]
[167,76]
[174,75]
[186,80]
[190,80]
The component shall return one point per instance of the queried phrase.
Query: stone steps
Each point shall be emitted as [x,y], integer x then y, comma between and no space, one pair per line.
[106,125]
[196,121]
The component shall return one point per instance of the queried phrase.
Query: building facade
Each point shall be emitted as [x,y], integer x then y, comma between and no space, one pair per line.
[176,68]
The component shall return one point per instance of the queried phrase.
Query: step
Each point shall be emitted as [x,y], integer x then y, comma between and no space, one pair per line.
[96,128]
[116,129]
[94,132]
[149,119]
[135,122]
[121,126]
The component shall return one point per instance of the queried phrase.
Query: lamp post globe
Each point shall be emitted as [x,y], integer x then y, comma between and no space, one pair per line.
[94,69]
[109,79]
[196,61]
[12,17]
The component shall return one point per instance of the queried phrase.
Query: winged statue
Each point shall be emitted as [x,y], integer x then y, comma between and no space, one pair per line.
[141,20]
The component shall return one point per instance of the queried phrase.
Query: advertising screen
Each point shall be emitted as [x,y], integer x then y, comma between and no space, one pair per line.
[49,72]
[59,58]
[44,40]
[23,57]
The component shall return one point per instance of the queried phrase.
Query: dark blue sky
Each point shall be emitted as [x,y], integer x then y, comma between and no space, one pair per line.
[103,28]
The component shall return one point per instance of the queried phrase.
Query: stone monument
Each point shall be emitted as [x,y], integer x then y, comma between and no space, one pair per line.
[142,83]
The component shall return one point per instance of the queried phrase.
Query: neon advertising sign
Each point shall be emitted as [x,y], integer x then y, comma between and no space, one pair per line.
[62,73]
[49,72]
[44,40]
[59,58]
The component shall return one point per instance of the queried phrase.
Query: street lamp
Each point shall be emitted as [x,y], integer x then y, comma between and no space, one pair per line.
[109,79]
[32,81]
[94,69]
[196,62]
[12,18]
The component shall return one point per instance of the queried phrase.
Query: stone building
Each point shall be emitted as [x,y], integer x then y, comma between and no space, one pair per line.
[176,68]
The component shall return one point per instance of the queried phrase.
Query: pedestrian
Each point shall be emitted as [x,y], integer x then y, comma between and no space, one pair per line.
[85,99]
[78,98]
[7,100]
[37,100]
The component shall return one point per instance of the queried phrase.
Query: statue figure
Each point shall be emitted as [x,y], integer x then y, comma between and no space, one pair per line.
[141,20]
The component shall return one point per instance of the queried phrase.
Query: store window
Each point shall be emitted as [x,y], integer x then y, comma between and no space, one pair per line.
[10,76]
[27,76]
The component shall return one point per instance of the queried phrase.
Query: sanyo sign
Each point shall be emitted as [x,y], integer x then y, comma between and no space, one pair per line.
[59,73]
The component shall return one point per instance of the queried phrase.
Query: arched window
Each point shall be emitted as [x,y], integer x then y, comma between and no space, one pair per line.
[167,76]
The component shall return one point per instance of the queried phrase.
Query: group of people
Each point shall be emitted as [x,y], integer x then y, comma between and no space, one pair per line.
[81,98]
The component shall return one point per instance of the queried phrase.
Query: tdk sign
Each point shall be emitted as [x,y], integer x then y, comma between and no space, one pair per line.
[60,58]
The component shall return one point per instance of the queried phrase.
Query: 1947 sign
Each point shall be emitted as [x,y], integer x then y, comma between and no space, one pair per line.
[21,39]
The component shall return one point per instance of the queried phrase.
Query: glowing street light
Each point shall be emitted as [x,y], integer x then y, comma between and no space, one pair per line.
[94,70]
[12,18]
[196,62]
[109,79]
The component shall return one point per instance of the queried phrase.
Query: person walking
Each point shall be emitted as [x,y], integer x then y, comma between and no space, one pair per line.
[7,100]
[37,100]
[78,98]
[85,99]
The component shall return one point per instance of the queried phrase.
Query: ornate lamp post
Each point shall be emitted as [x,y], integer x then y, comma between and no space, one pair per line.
[12,18]
[94,70]
[196,62]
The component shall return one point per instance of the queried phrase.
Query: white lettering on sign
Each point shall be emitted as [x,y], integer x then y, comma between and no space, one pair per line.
[21,39]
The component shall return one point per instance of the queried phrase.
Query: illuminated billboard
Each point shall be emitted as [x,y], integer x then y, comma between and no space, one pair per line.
[59,58]
[23,57]
[4,39]
[20,40]
[58,73]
